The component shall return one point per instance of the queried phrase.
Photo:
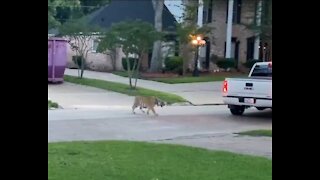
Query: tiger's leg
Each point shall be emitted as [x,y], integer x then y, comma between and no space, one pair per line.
[154,112]
[142,109]
[133,108]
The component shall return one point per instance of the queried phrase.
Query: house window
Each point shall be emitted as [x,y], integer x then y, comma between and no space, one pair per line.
[210,12]
[94,46]
[236,15]
[205,16]
[207,13]
[250,48]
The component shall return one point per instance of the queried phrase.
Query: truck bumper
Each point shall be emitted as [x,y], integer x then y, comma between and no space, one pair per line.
[258,102]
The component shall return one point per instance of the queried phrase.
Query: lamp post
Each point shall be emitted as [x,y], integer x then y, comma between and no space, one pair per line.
[198,41]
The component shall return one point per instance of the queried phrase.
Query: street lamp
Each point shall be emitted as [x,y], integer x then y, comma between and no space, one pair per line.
[197,41]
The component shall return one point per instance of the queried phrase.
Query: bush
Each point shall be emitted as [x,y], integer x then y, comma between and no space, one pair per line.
[131,60]
[250,63]
[226,63]
[174,64]
[52,104]
[77,60]
[214,58]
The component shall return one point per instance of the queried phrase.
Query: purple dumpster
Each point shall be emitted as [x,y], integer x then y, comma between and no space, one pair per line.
[57,59]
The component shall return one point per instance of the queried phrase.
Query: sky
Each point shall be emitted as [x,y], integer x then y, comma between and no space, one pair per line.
[175,7]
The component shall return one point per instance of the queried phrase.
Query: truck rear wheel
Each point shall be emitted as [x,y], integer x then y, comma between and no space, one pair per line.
[237,110]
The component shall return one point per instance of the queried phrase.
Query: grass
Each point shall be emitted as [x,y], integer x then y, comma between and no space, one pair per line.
[261,132]
[124,89]
[52,104]
[122,160]
[176,80]
[121,73]
[186,79]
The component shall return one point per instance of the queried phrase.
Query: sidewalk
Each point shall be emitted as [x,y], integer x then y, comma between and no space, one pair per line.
[75,96]
[196,93]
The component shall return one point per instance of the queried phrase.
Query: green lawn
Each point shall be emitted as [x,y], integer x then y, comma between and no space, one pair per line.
[125,89]
[261,132]
[52,104]
[121,160]
[190,79]
[186,79]
[121,73]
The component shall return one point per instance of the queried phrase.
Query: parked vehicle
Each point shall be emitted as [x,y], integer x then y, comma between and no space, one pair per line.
[254,91]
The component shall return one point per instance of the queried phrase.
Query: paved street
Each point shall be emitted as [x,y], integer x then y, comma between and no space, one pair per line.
[94,114]
[209,127]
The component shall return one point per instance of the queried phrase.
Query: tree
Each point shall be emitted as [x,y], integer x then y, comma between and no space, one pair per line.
[184,38]
[88,6]
[60,11]
[53,5]
[156,60]
[185,33]
[134,37]
[189,27]
[80,35]
[108,45]
[266,24]
[264,28]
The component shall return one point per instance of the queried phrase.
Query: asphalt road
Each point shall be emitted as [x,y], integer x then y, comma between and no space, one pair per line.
[211,127]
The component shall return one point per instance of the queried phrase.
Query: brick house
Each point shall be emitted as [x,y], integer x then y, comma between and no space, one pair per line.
[232,37]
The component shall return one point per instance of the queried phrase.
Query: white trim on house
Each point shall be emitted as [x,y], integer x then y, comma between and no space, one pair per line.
[229,29]
[257,38]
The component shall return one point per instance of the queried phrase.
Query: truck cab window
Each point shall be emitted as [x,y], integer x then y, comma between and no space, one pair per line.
[262,70]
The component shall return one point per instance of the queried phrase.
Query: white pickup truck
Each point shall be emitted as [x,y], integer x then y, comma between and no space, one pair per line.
[254,91]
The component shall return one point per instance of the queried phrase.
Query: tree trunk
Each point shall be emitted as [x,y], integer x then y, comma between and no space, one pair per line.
[113,56]
[156,57]
[270,50]
[78,65]
[82,66]
[128,70]
[137,71]
[156,52]
[186,53]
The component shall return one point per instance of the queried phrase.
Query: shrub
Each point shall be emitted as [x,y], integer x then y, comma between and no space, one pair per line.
[250,63]
[226,63]
[174,64]
[214,58]
[131,60]
[52,104]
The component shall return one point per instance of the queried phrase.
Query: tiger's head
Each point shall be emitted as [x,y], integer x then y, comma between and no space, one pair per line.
[160,103]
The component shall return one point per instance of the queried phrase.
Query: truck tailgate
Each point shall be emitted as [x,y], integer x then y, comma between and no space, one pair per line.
[250,87]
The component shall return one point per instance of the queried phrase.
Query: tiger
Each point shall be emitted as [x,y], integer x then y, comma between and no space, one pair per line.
[147,102]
